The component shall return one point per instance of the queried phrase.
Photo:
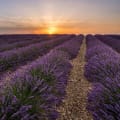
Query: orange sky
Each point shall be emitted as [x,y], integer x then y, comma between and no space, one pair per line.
[78,27]
[59,16]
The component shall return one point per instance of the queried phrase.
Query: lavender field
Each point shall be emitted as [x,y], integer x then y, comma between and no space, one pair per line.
[34,90]
[64,77]
[59,59]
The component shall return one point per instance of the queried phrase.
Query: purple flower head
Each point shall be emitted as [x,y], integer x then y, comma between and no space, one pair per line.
[104,100]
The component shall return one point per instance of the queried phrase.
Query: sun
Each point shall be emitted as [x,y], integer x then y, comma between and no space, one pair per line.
[52,30]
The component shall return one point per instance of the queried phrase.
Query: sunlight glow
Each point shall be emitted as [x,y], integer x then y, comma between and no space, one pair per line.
[52,30]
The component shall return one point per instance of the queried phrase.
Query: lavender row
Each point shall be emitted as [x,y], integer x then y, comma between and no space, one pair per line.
[103,70]
[95,47]
[12,58]
[23,43]
[71,47]
[36,91]
[10,39]
[115,36]
[112,42]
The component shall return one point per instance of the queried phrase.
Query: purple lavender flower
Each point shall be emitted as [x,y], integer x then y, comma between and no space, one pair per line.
[34,92]
[104,100]
[103,69]
[113,42]
[101,66]
[12,58]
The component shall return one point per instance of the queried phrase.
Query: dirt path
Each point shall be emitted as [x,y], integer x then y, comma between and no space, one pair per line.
[74,105]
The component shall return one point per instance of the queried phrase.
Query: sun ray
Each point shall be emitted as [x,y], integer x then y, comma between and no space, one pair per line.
[52,30]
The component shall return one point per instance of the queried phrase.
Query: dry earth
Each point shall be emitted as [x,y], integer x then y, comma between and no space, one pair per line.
[74,104]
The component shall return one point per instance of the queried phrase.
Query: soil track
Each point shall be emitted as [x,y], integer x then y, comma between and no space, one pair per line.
[74,104]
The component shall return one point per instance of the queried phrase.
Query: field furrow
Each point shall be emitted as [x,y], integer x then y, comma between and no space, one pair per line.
[74,105]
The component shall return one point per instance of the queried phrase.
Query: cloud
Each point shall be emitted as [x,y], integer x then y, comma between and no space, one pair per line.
[20,25]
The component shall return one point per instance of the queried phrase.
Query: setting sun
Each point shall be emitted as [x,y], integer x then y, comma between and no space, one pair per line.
[52,30]
[57,59]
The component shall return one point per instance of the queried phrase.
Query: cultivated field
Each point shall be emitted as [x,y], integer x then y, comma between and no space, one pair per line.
[64,77]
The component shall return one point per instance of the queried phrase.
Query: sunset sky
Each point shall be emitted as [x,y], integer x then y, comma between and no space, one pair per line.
[59,16]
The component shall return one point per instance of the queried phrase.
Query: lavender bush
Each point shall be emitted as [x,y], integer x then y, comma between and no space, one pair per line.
[36,91]
[27,99]
[23,43]
[11,39]
[103,69]
[71,47]
[111,41]
[104,100]
[96,47]
[13,58]
[101,66]
[53,70]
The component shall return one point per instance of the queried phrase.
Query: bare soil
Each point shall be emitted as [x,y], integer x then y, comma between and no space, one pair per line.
[74,104]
